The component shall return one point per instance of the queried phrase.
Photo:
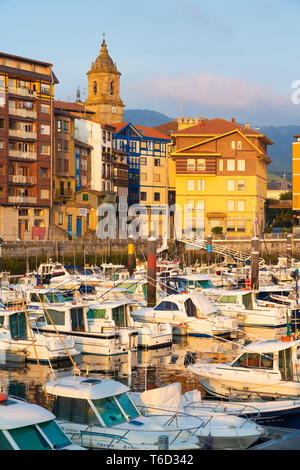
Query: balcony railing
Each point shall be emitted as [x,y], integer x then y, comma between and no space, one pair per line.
[67,193]
[26,113]
[22,179]
[22,155]
[22,92]
[22,200]
[22,134]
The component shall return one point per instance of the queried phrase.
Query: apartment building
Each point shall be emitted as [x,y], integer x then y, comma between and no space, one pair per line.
[26,141]
[221,172]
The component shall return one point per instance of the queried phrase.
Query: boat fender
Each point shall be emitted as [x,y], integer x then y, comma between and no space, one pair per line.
[3,397]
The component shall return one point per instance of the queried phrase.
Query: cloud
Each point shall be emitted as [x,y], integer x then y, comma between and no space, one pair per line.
[209,89]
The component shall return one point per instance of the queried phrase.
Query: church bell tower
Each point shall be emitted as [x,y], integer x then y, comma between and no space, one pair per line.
[104,89]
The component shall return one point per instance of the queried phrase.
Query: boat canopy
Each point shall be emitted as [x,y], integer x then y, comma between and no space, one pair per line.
[15,414]
[200,301]
[261,347]
[89,388]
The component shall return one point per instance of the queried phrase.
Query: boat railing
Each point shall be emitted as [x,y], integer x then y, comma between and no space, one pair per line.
[221,408]
[115,438]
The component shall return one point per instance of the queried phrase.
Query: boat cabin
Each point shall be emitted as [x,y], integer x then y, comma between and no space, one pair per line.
[14,323]
[277,356]
[243,299]
[193,305]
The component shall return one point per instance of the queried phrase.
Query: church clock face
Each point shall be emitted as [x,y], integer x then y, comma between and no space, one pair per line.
[113,109]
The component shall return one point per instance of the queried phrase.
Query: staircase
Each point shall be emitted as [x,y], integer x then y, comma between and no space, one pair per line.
[200,243]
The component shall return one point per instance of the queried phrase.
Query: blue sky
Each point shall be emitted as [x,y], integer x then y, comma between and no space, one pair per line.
[216,58]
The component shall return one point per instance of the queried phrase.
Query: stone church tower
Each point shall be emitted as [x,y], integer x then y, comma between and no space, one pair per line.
[104,89]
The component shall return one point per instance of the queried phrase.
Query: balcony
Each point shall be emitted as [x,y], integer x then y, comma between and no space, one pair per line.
[22,134]
[22,92]
[21,179]
[17,154]
[25,113]
[22,200]
[68,193]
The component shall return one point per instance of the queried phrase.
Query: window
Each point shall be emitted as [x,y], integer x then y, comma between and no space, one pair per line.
[230,226]
[45,149]
[239,145]
[201,185]
[45,130]
[200,205]
[230,165]
[66,146]
[143,161]
[164,305]
[156,162]
[190,203]
[143,196]
[230,185]
[57,316]
[233,145]
[191,165]
[1,123]
[241,226]
[44,194]
[1,144]
[45,89]
[143,177]
[157,178]
[241,165]
[241,206]
[45,108]
[66,126]
[95,88]
[29,438]
[55,435]
[44,172]
[241,185]
[201,165]
[60,218]
[58,125]
[191,185]
[59,145]
[156,197]
[85,197]
[230,205]
[220,165]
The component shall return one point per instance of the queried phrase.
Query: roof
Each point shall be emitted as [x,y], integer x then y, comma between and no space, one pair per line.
[104,63]
[270,346]
[218,126]
[168,128]
[29,74]
[20,413]
[83,387]
[149,132]
[25,59]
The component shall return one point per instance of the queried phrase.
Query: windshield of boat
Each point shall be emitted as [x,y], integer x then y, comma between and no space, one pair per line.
[111,413]
[254,360]
[29,438]
[85,271]
[54,433]
[49,297]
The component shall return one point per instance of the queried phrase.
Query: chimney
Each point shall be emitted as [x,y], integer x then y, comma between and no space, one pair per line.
[247,125]
[233,120]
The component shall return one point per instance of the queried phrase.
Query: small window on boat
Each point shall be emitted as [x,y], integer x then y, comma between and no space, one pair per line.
[29,438]
[127,406]
[190,308]
[254,360]
[166,306]
[96,313]
[247,301]
[204,284]
[4,443]
[1,320]
[228,299]
[109,411]
[55,435]
[58,317]
[17,325]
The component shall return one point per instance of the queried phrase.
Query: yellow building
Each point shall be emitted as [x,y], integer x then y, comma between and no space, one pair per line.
[221,172]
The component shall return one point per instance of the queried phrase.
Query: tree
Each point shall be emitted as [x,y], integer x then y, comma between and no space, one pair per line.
[288,195]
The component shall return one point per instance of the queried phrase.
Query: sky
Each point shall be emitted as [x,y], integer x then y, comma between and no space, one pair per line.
[211,58]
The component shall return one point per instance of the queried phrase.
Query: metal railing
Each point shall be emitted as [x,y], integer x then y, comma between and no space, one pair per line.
[22,134]
[22,179]
[22,112]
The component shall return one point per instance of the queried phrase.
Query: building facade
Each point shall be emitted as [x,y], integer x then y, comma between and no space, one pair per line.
[26,147]
[221,172]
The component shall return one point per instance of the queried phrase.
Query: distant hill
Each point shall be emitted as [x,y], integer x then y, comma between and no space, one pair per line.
[145,117]
[282,136]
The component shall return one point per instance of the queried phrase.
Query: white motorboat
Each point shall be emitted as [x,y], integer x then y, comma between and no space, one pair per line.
[152,335]
[98,328]
[189,314]
[99,413]
[242,304]
[55,275]
[25,426]
[15,338]
[266,368]
[218,430]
